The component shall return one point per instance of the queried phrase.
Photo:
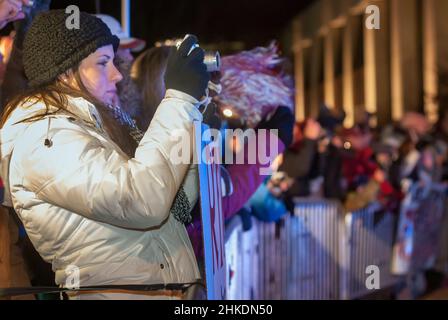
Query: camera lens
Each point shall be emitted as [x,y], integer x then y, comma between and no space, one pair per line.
[213,61]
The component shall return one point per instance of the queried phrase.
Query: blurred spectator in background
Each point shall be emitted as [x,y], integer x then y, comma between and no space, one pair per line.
[299,161]
[441,134]
[365,179]
[6,43]
[314,160]
[12,10]
[441,129]
[15,81]
[331,151]
[147,73]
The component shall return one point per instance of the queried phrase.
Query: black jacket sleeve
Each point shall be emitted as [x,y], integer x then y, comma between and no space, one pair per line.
[298,165]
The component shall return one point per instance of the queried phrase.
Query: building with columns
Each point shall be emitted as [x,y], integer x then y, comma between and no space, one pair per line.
[402,66]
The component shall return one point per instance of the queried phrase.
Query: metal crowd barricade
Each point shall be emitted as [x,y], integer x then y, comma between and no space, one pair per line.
[271,259]
[369,237]
[295,259]
[321,253]
[313,251]
[255,260]
[234,260]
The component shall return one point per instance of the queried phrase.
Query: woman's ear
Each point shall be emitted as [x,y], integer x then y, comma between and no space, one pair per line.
[68,78]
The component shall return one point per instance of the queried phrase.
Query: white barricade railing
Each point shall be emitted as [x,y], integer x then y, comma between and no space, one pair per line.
[316,254]
[368,238]
[313,251]
[234,259]
[320,253]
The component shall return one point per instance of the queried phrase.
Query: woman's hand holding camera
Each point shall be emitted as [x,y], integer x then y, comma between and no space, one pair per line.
[186,70]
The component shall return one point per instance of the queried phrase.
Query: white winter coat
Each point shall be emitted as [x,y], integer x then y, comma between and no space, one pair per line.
[84,203]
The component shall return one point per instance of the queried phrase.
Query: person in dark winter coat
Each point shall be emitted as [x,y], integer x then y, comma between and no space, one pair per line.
[441,134]
[15,80]
[315,153]
[300,160]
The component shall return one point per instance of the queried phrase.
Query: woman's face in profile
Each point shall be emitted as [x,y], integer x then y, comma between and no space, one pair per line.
[100,76]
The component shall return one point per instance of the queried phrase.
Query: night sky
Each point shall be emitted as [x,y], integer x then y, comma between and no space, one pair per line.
[253,22]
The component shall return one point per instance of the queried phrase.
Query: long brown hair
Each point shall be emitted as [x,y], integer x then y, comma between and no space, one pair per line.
[55,97]
[148,71]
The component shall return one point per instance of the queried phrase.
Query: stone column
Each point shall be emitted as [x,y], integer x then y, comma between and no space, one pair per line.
[329,73]
[406,68]
[348,72]
[377,65]
[435,53]
[299,72]
[315,72]
[430,67]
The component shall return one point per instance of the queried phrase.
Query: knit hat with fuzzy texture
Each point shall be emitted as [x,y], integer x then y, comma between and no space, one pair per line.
[50,48]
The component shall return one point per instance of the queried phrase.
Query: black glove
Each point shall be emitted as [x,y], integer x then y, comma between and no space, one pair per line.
[187,72]
[282,120]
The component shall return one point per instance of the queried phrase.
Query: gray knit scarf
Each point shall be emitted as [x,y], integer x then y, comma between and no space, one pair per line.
[181,208]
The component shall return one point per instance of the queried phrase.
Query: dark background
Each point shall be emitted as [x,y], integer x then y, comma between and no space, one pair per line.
[249,22]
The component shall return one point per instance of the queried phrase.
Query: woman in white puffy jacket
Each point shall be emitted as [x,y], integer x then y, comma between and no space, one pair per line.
[86,203]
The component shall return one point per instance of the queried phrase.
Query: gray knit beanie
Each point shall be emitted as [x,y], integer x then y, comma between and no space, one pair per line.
[50,48]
